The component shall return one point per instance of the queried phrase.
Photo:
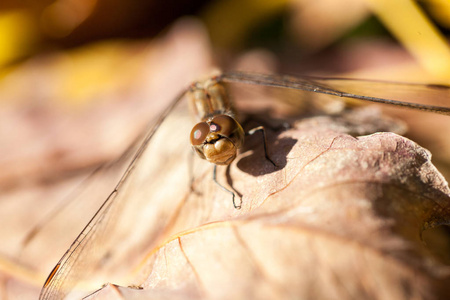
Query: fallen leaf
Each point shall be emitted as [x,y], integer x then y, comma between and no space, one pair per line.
[341,217]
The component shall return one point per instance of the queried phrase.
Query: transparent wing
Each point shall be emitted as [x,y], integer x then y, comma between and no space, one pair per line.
[414,96]
[133,198]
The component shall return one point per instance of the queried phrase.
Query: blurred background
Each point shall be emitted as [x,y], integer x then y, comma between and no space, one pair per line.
[80,79]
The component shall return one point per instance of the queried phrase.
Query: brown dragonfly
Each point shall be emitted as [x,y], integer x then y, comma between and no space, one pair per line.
[217,138]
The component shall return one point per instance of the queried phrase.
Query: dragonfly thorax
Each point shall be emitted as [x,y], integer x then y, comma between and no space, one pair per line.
[209,98]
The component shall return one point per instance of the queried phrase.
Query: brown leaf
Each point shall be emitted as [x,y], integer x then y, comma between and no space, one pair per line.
[340,218]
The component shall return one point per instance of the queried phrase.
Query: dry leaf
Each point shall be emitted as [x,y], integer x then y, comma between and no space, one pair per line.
[340,218]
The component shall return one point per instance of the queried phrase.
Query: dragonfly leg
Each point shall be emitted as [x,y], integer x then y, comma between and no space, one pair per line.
[191,173]
[191,170]
[263,132]
[233,196]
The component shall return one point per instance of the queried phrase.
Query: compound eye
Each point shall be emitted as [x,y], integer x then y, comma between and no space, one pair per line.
[199,133]
[223,124]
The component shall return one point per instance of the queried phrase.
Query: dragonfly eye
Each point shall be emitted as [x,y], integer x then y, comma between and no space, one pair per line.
[223,124]
[199,133]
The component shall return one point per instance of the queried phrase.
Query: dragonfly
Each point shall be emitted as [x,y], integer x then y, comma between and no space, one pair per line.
[217,138]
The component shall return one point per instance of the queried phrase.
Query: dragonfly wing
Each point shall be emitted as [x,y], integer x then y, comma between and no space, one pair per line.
[432,98]
[124,223]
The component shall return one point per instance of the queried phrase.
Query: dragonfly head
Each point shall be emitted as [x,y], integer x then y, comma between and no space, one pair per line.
[217,139]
